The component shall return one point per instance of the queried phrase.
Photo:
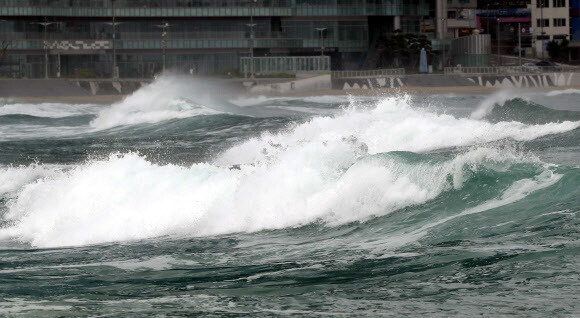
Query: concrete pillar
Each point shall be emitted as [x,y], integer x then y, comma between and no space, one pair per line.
[441,16]
[397,22]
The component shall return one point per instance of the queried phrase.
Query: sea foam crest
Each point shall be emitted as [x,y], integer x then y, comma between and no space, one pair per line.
[393,125]
[127,198]
[166,98]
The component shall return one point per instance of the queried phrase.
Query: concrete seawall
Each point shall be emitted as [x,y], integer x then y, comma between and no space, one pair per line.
[105,91]
[554,79]
[68,88]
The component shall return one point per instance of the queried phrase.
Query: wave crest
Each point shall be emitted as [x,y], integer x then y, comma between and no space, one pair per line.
[127,197]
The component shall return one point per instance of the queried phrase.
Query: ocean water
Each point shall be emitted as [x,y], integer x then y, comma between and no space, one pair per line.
[179,201]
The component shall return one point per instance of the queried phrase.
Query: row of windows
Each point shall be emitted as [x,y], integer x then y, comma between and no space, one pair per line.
[546,3]
[557,23]
[195,3]
[188,29]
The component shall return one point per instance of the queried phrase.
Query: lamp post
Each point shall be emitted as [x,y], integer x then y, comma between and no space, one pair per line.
[443,21]
[253,4]
[487,19]
[45,25]
[164,27]
[321,30]
[542,24]
[114,26]
[498,41]
[520,43]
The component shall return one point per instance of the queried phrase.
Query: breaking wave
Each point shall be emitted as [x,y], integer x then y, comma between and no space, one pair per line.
[363,163]
[164,99]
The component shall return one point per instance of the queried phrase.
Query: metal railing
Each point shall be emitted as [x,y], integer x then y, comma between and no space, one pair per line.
[285,64]
[369,73]
[509,70]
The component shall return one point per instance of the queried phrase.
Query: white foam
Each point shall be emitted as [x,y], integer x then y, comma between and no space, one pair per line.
[12,132]
[568,91]
[12,179]
[392,126]
[127,197]
[52,110]
[493,100]
[312,172]
[166,98]
[259,100]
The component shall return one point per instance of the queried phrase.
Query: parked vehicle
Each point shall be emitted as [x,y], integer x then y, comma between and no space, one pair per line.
[530,67]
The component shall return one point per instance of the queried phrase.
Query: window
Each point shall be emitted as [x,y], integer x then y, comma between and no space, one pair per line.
[542,3]
[559,22]
[546,23]
[559,3]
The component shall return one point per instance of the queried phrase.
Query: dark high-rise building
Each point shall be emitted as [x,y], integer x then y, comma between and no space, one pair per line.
[199,36]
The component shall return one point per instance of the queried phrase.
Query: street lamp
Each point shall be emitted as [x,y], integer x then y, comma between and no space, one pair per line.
[498,38]
[45,25]
[542,25]
[321,30]
[253,3]
[164,27]
[114,26]
[444,36]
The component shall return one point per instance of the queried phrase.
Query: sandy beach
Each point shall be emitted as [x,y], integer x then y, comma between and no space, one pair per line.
[110,99]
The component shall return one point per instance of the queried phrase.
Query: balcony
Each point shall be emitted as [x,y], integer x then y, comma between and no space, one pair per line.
[97,46]
[233,11]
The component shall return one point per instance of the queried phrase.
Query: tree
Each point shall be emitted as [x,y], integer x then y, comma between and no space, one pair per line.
[403,49]
[556,49]
[4,44]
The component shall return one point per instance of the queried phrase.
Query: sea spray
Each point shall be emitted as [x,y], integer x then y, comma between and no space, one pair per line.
[166,98]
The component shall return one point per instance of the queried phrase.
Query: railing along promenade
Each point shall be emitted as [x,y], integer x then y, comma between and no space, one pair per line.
[369,73]
[510,70]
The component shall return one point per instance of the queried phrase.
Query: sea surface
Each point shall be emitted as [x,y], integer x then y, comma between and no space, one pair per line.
[179,201]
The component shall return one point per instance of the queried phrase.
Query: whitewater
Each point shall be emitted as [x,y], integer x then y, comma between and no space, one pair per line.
[176,201]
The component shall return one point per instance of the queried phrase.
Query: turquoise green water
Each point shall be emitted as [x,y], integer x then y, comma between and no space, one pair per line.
[171,204]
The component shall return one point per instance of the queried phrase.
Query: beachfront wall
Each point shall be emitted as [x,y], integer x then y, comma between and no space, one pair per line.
[556,79]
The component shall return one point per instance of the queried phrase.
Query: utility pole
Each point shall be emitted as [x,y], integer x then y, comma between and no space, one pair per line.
[45,25]
[542,24]
[498,42]
[253,3]
[321,30]
[487,19]
[444,64]
[164,27]
[114,26]
[520,42]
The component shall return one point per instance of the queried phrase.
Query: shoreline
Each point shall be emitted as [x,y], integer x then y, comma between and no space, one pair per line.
[415,90]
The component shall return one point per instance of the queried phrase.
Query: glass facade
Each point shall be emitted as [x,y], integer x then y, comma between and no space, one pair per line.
[209,36]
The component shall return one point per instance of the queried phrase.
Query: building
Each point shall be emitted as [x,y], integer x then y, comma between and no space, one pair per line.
[192,36]
[503,20]
[461,18]
[574,46]
[551,21]
[575,20]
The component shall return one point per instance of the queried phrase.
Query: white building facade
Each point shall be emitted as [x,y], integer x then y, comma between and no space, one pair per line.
[550,21]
